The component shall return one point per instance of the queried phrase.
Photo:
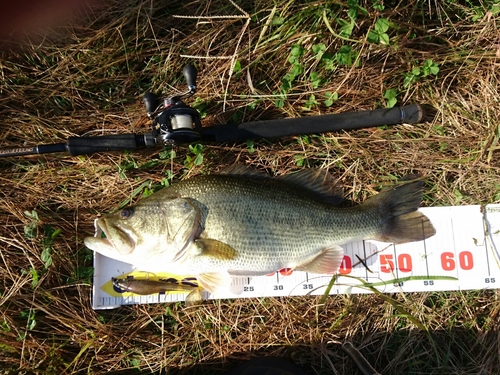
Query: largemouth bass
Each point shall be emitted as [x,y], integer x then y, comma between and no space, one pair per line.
[244,223]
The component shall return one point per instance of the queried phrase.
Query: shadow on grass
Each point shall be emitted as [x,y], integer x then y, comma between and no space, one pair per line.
[458,351]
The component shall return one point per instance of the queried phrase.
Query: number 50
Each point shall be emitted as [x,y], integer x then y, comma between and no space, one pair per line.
[404,263]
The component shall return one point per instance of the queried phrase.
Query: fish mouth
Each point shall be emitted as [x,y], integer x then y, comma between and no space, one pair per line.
[117,238]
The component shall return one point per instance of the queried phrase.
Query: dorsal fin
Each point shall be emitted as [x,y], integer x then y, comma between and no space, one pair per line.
[316,180]
[319,181]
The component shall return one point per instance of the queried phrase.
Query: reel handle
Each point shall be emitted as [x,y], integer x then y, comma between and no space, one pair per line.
[190,74]
[151,101]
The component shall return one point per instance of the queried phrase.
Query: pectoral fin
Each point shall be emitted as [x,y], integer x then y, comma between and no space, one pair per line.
[215,249]
[328,261]
[212,282]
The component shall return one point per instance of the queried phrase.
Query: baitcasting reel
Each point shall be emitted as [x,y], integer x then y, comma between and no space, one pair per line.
[176,122]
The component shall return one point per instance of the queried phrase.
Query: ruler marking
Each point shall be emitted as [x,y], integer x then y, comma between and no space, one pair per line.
[425,252]
[396,265]
[426,260]
[455,252]
[485,242]
[364,252]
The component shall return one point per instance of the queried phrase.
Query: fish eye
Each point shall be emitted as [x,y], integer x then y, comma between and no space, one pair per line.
[126,213]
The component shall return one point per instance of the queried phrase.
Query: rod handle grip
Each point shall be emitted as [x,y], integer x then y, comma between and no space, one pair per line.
[119,142]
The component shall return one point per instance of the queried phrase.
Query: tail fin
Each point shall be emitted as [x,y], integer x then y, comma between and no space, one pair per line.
[398,208]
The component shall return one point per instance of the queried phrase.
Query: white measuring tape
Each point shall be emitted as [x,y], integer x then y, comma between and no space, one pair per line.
[464,254]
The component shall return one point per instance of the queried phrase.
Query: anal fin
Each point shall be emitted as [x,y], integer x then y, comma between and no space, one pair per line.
[327,262]
[213,282]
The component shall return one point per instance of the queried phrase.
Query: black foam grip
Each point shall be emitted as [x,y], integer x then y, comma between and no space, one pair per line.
[89,145]
[314,124]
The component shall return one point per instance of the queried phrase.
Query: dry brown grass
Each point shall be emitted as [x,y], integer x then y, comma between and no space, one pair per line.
[88,78]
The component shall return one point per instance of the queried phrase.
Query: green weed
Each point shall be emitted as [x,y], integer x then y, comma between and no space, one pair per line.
[31,230]
[330,98]
[391,97]
[250,146]
[47,244]
[378,34]
[378,5]
[346,56]
[326,61]
[137,191]
[127,164]
[5,326]
[429,68]
[201,106]
[30,316]
[197,158]
[311,102]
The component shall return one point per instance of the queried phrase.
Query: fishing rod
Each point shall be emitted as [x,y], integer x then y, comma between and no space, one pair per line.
[174,122]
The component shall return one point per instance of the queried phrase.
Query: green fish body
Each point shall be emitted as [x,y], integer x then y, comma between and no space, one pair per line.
[244,223]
